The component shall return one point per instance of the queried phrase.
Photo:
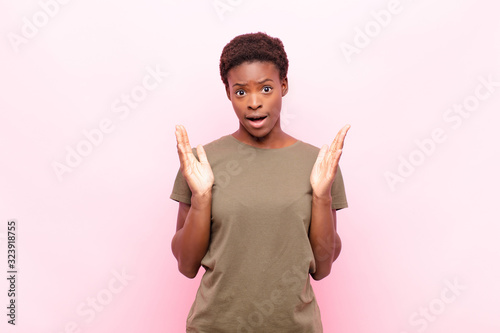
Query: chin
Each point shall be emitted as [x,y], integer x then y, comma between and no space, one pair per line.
[260,133]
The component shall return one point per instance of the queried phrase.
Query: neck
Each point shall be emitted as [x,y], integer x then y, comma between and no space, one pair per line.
[274,139]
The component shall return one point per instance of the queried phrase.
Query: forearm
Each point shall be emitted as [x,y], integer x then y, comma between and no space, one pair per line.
[190,243]
[325,241]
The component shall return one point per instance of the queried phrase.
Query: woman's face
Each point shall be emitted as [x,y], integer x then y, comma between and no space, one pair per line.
[255,90]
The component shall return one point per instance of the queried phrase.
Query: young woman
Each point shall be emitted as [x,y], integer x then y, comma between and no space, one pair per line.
[257,207]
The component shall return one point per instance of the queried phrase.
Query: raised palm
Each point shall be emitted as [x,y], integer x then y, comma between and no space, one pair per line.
[198,174]
[325,167]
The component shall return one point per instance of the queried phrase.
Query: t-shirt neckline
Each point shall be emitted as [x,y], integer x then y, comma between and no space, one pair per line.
[296,143]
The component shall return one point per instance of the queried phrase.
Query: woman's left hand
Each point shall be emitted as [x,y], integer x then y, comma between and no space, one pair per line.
[325,168]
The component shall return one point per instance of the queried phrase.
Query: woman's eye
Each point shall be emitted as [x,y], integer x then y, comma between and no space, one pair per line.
[267,89]
[240,92]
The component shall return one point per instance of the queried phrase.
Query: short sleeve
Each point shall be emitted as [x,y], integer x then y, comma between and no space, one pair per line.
[181,191]
[339,199]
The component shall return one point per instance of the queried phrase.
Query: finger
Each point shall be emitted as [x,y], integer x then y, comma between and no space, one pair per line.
[336,157]
[321,154]
[338,142]
[341,137]
[183,149]
[184,138]
[343,133]
[334,142]
[202,155]
[177,134]
[334,163]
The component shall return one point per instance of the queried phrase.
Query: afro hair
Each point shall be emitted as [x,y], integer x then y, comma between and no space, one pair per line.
[253,47]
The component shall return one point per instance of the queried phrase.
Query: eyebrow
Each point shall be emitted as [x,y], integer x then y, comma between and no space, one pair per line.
[244,84]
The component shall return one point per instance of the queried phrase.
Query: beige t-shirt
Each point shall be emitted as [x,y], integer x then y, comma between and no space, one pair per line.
[259,260]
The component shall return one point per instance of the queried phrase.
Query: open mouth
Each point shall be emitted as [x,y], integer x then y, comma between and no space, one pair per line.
[257,121]
[252,118]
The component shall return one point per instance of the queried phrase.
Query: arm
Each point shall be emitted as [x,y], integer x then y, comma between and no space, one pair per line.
[190,242]
[325,241]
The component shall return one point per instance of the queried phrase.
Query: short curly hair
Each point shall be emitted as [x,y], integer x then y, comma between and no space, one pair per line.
[253,47]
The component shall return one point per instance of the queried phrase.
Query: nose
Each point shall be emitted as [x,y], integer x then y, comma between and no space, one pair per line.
[254,102]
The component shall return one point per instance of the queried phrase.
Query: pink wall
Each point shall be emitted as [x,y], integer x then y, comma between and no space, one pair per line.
[420,238]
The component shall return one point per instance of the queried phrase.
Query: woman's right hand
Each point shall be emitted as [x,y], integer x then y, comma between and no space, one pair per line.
[198,174]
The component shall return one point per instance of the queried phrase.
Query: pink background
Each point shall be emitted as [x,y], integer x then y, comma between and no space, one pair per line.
[403,246]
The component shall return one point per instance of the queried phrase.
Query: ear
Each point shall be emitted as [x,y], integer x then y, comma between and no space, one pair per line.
[284,86]
[228,92]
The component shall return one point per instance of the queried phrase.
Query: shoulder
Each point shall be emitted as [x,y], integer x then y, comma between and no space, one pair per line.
[223,143]
[308,149]
[218,148]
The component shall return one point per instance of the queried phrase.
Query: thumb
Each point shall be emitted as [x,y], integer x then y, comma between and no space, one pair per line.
[322,153]
[202,155]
